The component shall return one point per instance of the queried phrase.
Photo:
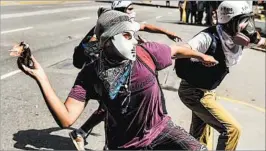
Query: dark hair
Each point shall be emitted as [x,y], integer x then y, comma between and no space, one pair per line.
[122,9]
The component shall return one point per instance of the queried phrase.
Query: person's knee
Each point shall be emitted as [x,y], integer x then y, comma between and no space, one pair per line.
[233,131]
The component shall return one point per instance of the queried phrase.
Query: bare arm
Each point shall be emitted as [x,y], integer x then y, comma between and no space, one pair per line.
[65,114]
[154,29]
[184,51]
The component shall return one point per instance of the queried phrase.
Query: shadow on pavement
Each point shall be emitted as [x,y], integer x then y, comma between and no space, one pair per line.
[169,88]
[34,139]
[181,23]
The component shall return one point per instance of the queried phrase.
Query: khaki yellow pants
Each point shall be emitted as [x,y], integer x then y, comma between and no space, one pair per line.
[206,112]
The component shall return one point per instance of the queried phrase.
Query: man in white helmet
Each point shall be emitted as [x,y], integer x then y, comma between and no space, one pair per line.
[225,42]
[127,7]
[123,78]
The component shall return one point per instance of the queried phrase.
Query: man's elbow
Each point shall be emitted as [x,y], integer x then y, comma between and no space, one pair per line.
[65,124]
[178,51]
[175,51]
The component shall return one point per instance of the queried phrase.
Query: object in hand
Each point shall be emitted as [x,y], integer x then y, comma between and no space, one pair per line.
[23,52]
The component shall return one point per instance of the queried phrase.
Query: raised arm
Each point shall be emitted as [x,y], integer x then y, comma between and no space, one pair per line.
[154,29]
[184,51]
[65,114]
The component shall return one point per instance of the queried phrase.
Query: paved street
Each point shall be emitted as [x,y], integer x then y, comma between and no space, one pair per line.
[54,29]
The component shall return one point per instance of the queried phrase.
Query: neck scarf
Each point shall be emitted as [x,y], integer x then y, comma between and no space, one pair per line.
[233,52]
[113,76]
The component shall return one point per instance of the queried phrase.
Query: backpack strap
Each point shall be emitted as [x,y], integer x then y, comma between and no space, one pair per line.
[144,56]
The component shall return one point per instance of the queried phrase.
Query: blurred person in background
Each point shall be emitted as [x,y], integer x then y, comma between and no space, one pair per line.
[181,5]
[208,11]
[214,6]
[188,10]
[194,8]
[200,11]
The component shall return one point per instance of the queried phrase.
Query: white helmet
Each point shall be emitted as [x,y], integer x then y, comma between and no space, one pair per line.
[120,4]
[230,9]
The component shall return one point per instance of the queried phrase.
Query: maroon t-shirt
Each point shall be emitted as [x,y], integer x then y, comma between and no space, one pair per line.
[145,119]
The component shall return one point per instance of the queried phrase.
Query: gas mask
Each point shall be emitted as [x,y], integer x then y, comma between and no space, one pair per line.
[244,31]
[125,47]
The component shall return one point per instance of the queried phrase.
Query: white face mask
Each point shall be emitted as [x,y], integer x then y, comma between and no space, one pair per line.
[126,47]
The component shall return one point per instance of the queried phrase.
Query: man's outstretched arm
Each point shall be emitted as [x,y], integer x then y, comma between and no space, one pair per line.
[184,51]
[154,29]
